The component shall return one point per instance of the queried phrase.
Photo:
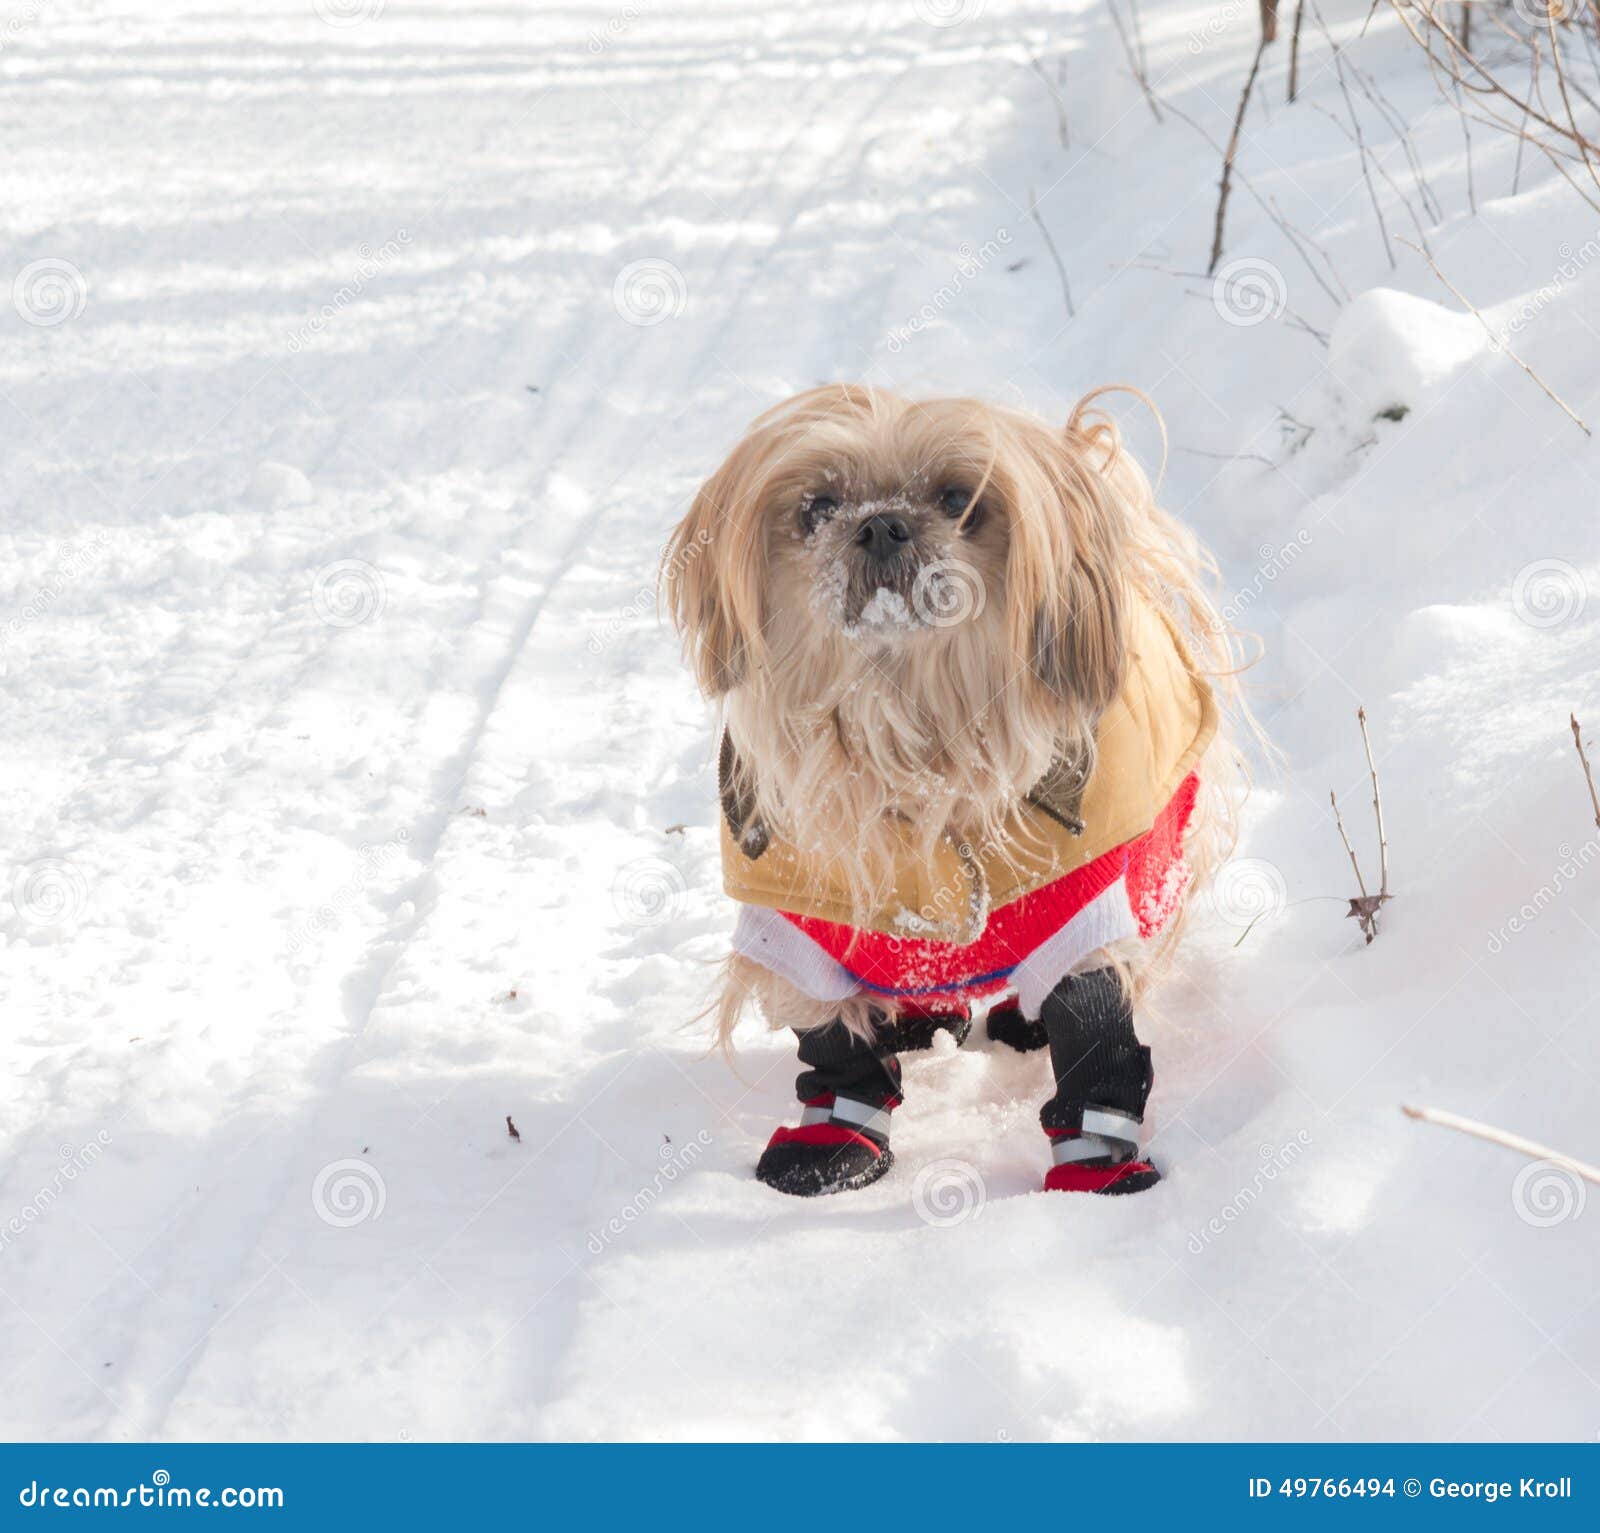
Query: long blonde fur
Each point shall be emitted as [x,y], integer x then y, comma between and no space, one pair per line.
[854,733]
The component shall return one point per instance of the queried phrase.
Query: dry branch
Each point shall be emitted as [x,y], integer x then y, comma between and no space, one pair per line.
[1063,126]
[1364,907]
[1500,1137]
[1397,124]
[1377,807]
[1225,185]
[1294,48]
[1588,774]
[1297,240]
[1055,255]
[1139,72]
[1499,342]
[1457,69]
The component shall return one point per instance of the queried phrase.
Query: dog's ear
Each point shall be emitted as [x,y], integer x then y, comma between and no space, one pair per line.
[1079,652]
[1066,574]
[710,578]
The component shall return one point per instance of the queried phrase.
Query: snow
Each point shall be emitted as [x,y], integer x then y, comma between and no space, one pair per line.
[357,797]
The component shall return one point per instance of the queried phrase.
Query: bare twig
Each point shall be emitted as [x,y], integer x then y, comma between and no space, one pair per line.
[1388,180]
[1588,774]
[1139,73]
[1466,134]
[1295,239]
[1360,142]
[1374,93]
[1522,131]
[1228,457]
[1225,185]
[1365,907]
[1138,39]
[1566,100]
[1499,341]
[1063,127]
[1456,66]
[1359,908]
[1500,1137]
[1055,255]
[1293,320]
[1294,48]
[1377,807]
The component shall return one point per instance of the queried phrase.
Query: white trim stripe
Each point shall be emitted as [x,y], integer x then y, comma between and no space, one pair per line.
[861,1115]
[1108,1124]
[1065,1152]
[780,947]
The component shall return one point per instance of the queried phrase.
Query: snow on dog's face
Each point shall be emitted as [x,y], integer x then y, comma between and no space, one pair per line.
[851,517]
[909,607]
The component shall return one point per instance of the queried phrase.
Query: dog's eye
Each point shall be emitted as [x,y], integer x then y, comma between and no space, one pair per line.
[954,500]
[817,510]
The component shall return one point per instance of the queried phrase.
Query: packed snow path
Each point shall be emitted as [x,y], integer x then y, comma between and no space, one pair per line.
[358,360]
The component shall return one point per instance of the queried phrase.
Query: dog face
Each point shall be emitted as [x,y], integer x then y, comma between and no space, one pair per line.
[885,550]
[852,530]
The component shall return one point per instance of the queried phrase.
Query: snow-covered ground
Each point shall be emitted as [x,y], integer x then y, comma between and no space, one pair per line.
[359,358]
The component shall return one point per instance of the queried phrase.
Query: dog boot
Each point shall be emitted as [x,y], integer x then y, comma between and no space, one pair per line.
[1103,1079]
[842,1142]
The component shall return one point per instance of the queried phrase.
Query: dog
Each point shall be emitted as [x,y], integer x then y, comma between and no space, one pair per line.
[979,752]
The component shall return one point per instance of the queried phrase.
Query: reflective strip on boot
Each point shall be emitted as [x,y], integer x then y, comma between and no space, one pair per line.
[1108,1123]
[856,1115]
[1108,1136]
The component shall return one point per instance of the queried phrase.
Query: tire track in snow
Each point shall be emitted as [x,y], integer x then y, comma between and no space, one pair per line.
[424,887]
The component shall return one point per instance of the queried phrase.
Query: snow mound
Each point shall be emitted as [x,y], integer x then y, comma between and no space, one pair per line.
[1392,350]
[277,484]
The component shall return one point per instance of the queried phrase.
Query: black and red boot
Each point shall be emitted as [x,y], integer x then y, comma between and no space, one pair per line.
[842,1142]
[1103,1079]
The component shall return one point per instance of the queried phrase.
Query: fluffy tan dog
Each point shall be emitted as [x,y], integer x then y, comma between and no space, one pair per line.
[918,617]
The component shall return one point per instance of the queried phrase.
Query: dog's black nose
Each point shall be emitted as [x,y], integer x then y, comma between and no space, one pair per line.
[883,535]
